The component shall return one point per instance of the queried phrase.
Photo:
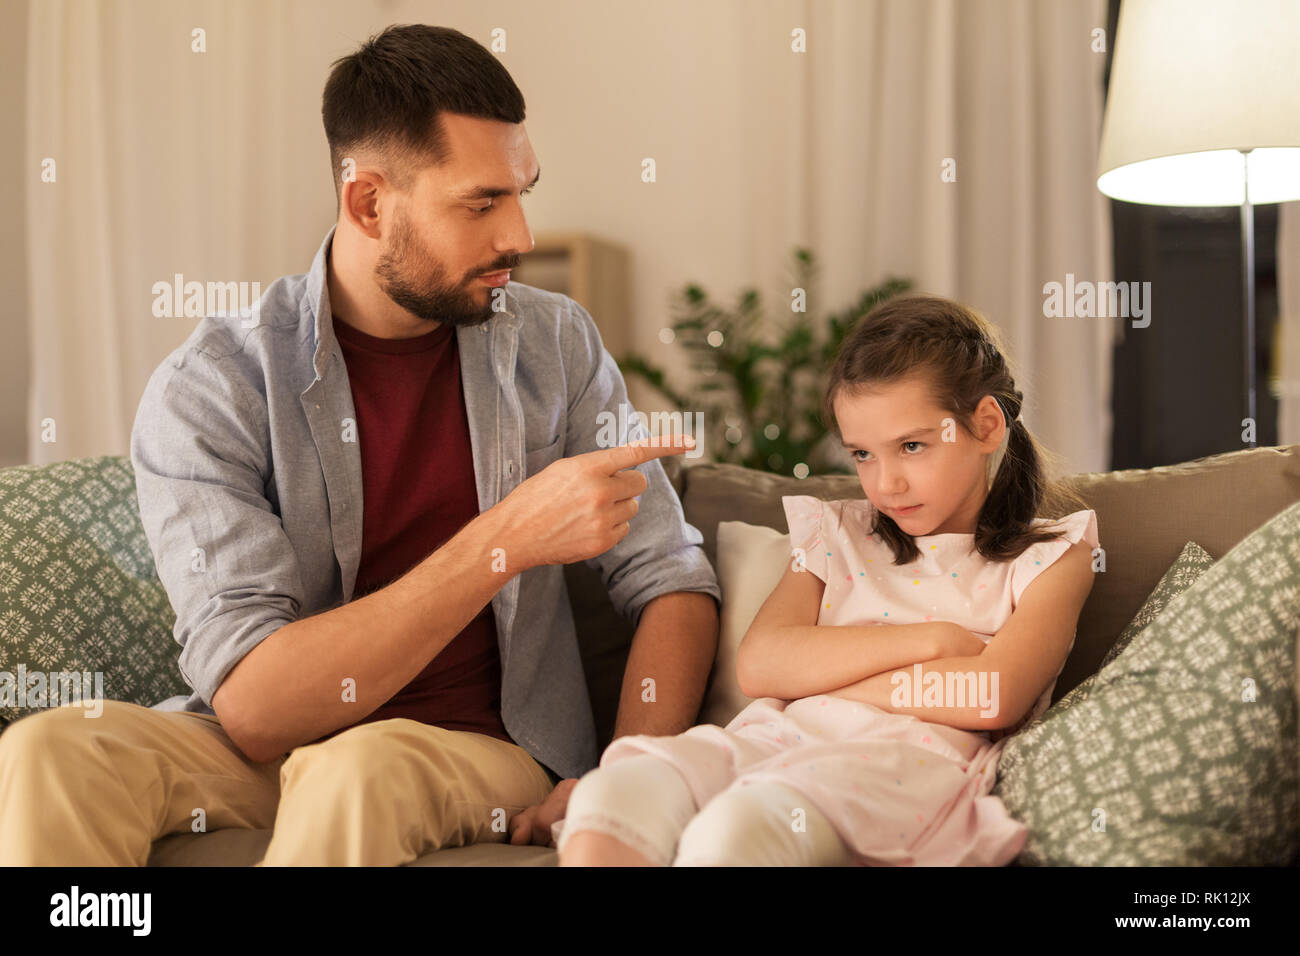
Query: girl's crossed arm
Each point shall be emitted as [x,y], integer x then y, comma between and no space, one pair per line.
[961,692]
[995,689]
[786,654]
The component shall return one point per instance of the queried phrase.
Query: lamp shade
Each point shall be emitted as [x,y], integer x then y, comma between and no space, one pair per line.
[1191,83]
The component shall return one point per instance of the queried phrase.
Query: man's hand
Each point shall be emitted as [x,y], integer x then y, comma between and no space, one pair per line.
[579,507]
[533,825]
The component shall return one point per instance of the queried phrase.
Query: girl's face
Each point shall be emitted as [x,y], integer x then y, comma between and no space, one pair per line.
[913,455]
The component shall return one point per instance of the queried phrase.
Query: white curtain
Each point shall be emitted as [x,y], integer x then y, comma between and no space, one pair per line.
[1009,89]
[213,165]
[167,161]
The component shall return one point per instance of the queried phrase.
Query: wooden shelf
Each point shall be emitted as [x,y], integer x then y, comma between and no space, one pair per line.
[595,272]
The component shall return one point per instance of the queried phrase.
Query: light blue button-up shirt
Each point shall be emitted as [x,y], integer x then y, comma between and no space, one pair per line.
[249,482]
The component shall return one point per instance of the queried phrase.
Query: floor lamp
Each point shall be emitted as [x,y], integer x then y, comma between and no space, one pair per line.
[1203,109]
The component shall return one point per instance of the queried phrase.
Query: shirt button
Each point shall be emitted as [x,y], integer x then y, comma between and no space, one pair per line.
[510,468]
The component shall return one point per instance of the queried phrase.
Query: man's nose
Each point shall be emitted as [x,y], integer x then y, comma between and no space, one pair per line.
[515,236]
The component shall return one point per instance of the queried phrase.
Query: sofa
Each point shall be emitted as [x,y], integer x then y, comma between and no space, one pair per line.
[78,590]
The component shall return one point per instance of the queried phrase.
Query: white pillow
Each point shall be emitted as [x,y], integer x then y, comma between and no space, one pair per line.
[751,561]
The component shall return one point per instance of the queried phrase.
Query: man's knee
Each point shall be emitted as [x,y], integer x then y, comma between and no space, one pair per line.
[54,731]
[361,762]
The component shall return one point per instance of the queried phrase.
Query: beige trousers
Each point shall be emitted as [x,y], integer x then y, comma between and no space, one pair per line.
[78,791]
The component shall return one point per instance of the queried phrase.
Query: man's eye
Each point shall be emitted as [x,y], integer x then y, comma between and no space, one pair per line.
[484,209]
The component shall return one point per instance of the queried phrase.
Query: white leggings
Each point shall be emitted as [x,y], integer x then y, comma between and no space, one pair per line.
[643,802]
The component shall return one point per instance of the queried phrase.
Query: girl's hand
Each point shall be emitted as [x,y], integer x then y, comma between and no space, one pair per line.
[957,641]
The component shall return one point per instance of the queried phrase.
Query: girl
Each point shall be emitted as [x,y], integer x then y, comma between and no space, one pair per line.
[914,631]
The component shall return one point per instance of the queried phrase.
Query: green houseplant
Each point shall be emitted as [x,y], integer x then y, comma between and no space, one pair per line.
[760,380]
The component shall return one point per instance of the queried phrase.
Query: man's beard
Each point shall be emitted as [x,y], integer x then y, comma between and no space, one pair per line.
[431,296]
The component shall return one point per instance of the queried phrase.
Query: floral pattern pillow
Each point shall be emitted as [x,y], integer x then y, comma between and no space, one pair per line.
[79,595]
[1182,750]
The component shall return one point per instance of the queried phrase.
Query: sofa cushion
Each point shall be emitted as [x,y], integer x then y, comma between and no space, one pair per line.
[1149,513]
[1191,563]
[78,590]
[1183,750]
[751,560]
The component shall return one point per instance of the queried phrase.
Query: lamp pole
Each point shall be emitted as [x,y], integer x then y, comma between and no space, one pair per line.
[1248,288]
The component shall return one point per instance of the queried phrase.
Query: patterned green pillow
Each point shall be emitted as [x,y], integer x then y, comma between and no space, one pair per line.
[1182,751]
[78,589]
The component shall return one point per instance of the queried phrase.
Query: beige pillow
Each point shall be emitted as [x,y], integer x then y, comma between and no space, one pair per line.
[751,561]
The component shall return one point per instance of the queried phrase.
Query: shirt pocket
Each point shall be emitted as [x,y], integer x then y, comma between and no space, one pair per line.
[538,458]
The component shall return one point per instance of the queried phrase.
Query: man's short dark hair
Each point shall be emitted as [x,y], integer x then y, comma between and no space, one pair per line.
[387,96]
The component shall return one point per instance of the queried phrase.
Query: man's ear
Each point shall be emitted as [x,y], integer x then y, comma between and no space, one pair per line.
[359,203]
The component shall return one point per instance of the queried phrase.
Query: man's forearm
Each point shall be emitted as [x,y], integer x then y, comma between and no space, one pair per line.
[332,669]
[668,666]
[965,681]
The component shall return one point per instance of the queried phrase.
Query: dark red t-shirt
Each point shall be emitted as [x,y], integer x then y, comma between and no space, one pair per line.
[417,470]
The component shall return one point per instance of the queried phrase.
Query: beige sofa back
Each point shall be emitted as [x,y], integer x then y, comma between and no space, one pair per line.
[1144,517]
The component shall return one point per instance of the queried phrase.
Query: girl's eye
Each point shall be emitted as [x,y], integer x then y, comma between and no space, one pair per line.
[858,452]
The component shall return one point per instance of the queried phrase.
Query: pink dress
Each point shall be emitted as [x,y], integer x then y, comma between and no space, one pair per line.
[899,790]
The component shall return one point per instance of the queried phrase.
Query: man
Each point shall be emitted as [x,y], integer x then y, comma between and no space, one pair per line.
[359,500]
